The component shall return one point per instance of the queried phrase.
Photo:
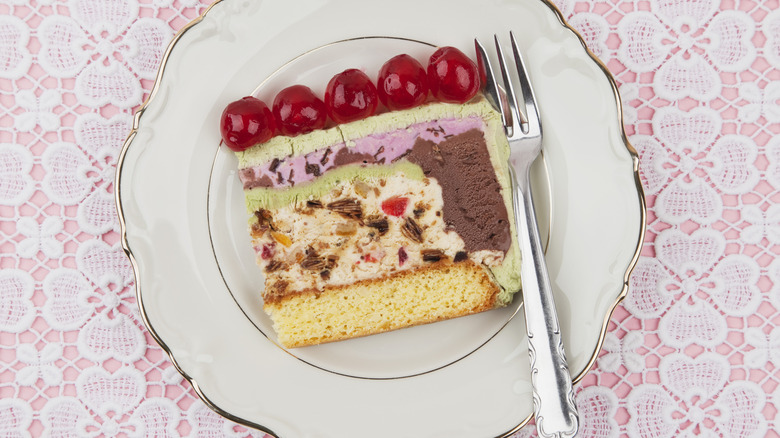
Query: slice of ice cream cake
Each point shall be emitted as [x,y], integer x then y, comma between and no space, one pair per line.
[399,219]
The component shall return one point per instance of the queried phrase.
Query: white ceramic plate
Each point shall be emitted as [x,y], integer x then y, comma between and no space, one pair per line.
[184,222]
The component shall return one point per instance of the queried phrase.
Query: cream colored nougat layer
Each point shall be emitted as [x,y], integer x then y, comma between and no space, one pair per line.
[361,251]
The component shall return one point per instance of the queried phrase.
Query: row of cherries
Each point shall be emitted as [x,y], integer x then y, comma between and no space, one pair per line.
[350,95]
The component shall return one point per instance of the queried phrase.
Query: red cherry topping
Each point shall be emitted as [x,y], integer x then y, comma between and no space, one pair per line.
[298,110]
[395,206]
[402,83]
[245,123]
[350,96]
[452,76]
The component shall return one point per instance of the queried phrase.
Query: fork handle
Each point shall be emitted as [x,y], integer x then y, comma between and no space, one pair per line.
[554,406]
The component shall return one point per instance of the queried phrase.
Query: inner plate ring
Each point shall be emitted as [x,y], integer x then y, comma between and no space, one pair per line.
[399,354]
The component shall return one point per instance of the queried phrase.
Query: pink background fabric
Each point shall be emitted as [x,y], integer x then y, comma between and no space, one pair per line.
[694,350]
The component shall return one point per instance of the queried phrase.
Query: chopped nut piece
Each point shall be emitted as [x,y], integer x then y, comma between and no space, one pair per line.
[278,287]
[431,255]
[378,222]
[347,207]
[346,228]
[313,261]
[437,155]
[314,203]
[258,230]
[275,265]
[330,261]
[264,217]
[412,230]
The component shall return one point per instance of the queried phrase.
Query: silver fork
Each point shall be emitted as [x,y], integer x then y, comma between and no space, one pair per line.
[554,406]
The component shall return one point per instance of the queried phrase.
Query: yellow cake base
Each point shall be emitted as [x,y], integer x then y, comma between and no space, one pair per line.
[434,293]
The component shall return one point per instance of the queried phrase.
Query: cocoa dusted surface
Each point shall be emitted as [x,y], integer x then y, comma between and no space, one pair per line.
[473,204]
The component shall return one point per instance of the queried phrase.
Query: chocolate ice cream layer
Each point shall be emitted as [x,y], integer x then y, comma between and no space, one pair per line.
[473,204]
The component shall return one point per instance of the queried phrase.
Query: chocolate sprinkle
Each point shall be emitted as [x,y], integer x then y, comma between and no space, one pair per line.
[325,156]
[274,164]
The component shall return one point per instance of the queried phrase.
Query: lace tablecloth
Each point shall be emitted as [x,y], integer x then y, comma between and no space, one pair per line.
[694,350]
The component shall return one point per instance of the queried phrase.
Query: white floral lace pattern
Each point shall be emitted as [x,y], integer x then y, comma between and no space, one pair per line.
[692,351]
[76,358]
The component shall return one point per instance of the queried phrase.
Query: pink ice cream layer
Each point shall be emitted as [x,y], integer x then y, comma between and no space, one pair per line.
[381,148]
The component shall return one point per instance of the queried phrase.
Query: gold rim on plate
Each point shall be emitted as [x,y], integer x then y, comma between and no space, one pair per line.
[126,247]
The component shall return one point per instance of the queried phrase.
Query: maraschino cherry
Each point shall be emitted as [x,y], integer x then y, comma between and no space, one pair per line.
[452,76]
[402,83]
[350,95]
[245,123]
[298,110]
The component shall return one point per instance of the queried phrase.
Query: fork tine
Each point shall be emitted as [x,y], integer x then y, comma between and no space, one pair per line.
[514,128]
[534,125]
[492,91]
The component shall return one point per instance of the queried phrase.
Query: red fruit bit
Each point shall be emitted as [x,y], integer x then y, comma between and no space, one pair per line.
[267,252]
[350,95]
[298,110]
[245,123]
[395,206]
[402,83]
[402,256]
[452,76]
[368,258]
